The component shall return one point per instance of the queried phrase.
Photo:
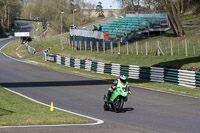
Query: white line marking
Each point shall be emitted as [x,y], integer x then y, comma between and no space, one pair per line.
[98,121]
[168,92]
[18,47]
[18,55]
[97,78]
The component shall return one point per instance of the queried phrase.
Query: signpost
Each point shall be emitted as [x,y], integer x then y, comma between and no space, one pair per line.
[22,34]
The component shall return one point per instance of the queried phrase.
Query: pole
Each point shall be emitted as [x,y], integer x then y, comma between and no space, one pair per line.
[61,31]
[73,17]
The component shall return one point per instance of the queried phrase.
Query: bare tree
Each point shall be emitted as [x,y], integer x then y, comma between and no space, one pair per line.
[9,10]
[173,10]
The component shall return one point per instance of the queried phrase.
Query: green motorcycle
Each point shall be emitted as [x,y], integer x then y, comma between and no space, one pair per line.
[117,99]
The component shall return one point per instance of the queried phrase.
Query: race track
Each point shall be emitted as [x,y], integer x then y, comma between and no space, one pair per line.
[145,112]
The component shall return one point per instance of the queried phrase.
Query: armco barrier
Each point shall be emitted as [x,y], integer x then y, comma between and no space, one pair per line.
[162,75]
[30,49]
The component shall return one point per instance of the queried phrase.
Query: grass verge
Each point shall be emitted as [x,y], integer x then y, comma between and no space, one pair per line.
[141,60]
[140,83]
[17,110]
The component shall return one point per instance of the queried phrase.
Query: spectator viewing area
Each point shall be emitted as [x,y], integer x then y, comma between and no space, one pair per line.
[131,28]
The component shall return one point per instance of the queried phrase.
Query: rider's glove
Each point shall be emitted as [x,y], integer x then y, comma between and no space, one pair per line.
[114,87]
[129,92]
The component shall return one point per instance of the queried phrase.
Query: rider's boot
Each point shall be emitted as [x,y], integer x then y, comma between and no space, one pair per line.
[108,98]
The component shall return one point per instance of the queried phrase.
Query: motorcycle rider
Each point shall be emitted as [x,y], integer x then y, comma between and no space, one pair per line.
[117,83]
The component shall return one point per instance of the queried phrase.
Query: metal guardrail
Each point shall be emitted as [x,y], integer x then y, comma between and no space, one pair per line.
[101,21]
[145,13]
[155,74]
[87,33]
[30,49]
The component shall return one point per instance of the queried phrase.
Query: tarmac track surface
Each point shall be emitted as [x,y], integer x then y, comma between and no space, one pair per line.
[145,112]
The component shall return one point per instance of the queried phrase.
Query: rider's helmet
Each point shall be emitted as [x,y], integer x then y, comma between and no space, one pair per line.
[123,79]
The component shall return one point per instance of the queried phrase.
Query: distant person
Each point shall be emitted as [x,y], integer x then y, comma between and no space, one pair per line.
[73,26]
[100,28]
[94,28]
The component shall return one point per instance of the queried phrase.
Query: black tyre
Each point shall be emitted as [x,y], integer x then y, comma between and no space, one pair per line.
[106,107]
[118,104]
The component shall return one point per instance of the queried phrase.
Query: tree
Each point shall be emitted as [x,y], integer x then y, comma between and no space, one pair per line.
[99,10]
[9,10]
[90,8]
[173,10]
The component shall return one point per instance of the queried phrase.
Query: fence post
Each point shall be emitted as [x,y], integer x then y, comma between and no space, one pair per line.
[69,42]
[127,48]
[146,46]
[171,43]
[72,45]
[194,50]
[91,46]
[136,48]
[97,47]
[104,51]
[80,45]
[85,45]
[158,51]
[186,52]
[111,47]
[75,45]
[66,42]
[119,46]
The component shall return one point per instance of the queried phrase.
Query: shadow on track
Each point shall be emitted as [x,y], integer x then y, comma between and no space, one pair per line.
[54,83]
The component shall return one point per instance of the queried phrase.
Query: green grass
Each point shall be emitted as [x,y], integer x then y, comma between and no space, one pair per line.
[141,83]
[16,110]
[190,62]
[179,60]
[191,19]
[16,50]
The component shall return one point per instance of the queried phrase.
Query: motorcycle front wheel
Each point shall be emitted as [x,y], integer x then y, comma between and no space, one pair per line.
[117,105]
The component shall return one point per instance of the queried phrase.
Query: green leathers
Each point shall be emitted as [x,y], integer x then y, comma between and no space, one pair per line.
[118,97]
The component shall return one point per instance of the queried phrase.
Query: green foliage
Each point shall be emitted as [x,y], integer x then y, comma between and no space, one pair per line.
[99,10]
[9,10]
[50,10]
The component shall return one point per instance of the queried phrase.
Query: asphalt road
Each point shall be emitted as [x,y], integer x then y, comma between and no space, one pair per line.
[145,112]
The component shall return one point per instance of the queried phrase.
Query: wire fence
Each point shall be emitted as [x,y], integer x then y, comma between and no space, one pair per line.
[165,48]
